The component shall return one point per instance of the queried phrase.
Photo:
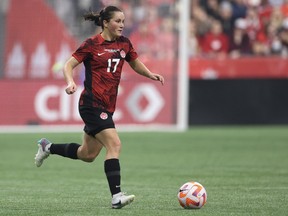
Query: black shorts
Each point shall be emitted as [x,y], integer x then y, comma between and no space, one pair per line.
[95,119]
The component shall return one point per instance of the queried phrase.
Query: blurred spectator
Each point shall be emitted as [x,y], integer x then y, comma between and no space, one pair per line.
[140,11]
[130,26]
[274,24]
[166,45]
[215,42]
[275,44]
[165,7]
[276,18]
[193,40]
[225,11]
[212,8]
[239,40]
[284,8]
[142,39]
[264,11]
[201,18]
[145,11]
[254,25]
[260,46]
[239,8]
[283,36]
[256,31]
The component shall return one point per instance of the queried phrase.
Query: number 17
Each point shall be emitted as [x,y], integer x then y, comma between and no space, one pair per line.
[110,61]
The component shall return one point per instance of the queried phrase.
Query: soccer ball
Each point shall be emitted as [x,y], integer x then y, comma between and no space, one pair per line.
[192,195]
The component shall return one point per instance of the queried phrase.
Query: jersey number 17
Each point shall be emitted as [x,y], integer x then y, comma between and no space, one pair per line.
[112,63]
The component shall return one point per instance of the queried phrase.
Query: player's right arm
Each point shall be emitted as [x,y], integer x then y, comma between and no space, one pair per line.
[68,75]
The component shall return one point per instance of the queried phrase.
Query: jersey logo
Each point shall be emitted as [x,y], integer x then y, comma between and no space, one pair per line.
[103,115]
[99,54]
[122,54]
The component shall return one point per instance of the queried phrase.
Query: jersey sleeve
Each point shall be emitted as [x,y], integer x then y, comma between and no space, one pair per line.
[83,51]
[132,54]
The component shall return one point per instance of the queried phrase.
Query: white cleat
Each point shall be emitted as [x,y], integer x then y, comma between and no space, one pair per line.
[42,153]
[121,199]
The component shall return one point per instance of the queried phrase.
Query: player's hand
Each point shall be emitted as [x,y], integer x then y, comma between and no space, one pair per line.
[71,88]
[158,77]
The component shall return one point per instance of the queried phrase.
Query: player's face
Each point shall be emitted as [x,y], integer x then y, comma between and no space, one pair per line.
[116,24]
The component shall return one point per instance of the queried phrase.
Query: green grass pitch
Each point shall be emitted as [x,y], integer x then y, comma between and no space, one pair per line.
[244,170]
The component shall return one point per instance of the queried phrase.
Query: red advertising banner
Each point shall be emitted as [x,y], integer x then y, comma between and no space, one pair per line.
[244,67]
[46,103]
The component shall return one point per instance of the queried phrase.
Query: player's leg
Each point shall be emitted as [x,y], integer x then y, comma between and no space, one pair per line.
[89,149]
[111,141]
[87,152]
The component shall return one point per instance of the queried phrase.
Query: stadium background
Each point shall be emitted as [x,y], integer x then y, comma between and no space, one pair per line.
[231,82]
[243,168]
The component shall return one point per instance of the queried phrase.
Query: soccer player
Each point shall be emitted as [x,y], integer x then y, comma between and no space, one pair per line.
[103,56]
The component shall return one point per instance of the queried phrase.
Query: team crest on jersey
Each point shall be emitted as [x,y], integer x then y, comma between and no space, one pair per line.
[122,54]
[103,115]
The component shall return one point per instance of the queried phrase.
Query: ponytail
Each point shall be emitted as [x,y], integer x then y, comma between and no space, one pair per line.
[95,17]
[105,14]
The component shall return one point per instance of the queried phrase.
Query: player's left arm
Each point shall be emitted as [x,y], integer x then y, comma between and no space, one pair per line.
[141,69]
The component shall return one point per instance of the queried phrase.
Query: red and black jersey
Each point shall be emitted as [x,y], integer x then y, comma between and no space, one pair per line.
[103,62]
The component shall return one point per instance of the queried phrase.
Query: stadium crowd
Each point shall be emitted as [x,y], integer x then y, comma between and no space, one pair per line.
[239,27]
[218,28]
[146,21]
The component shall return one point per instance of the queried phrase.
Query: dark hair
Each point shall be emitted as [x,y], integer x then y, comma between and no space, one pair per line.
[105,14]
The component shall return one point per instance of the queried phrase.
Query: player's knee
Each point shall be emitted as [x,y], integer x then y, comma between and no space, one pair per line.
[114,148]
[89,158]
[117,146]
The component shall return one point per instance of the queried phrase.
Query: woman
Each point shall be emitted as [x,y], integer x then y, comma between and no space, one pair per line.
[103,56]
